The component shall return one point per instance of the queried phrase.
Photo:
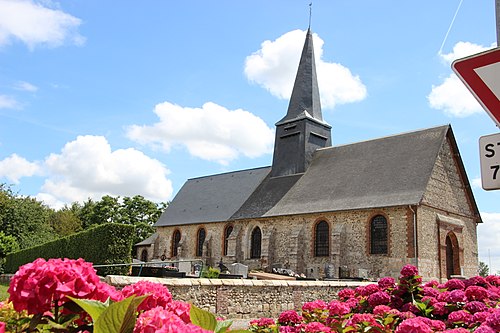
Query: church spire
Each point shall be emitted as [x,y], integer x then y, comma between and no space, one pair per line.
[302,131]
[305,93]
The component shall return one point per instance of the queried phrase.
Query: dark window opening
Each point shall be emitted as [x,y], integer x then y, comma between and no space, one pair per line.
[378,235]
[321,239]
[200,239]
[227,233]
[255,243]
[176,239]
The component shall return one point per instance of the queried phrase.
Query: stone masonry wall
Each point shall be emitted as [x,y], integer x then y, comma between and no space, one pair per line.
[247,299]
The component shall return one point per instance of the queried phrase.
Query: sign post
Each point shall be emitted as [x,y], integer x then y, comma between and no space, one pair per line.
[489,148]
[481,75]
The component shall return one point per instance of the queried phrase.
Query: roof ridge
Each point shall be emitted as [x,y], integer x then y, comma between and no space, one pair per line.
[387,136]
[228,172]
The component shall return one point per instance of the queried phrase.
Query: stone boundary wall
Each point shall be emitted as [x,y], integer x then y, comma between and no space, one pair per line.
[5,278]
[244,299]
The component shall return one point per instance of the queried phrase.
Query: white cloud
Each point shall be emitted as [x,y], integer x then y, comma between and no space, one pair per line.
[487,235]
[33,23]
[477,183]
[25,86]
[211,132]
[274,67]
[88,168]
[451,96]
[7,102]
[15,167]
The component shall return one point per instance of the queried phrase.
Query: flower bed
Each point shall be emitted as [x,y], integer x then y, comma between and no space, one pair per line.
[67,296]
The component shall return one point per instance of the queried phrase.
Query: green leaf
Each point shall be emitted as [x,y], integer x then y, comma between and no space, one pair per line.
[222,326]
[92,307]
[202,318]
[119,317]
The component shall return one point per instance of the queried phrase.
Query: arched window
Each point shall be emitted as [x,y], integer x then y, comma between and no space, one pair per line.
[144,255]
[255,243]
[200,239]
[452,255]
[176,239]
[227,232]
[321,239]
[378,235]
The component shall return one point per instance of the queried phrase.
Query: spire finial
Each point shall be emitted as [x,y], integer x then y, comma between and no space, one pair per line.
[310,13]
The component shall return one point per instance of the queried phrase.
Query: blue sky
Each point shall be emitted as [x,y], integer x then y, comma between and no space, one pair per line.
[129,97]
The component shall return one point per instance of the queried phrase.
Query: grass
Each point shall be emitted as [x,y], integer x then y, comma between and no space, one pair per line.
[3,291]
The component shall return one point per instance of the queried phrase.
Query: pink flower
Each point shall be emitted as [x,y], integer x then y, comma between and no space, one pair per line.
[386,283]
[159,320]
[493,319]
[2,327]
[314,305]
[37,285]
[263,322]
[476,293]
[458,330]
[346,293]
[429,291]
[493,280]
[181,310]
[454,284]
[316,327]
[363,319]
[460,317]
[480,317]
[457,296]
[105,291]
[484,329]
[337,308]
[440,309]
[409,271]
[379,298]
[369,289]
[288,329]
[431,284]
[381,310]
[413,325]
[158,294]
[475,306]
[290,317]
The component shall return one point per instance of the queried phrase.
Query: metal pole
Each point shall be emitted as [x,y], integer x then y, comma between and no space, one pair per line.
[497,14]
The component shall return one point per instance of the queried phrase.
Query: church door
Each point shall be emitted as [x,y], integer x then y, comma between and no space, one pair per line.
[452,260]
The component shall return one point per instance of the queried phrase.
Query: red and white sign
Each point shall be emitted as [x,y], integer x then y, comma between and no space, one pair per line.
[481,74]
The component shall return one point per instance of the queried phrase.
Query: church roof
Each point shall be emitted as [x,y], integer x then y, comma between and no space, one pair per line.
[384,172]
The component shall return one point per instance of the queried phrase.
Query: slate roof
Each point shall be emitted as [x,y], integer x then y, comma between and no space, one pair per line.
[148,241]
[389,171]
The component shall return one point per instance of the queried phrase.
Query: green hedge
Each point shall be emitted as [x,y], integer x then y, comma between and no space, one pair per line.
[105,244]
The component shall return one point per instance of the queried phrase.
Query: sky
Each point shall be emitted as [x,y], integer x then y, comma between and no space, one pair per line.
[129,98]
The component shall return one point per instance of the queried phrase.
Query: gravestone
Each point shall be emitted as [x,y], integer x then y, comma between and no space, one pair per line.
[239,269]
[185,266]
[329,271]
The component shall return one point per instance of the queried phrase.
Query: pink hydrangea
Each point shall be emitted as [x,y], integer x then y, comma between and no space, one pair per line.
[381,310]
[387,283]
[484,329]
[2,327]
[363,319]
[337,308]
[493,319]
[480,317]
[369,289]
[346,294]
[454,284]
[429,291]
[288,329]
[379,298]
[158,294]
[458,330]
[37,285]
[460,317]
[316,327]
[289,317]
[440,309]
[444,296]
[431,284]
[413,325]
[409,271]
[457,296]
[105,291]
[263,322]
[493,280]
[181,310]
[314,305]
[476,293]
[159,320]
[475,306]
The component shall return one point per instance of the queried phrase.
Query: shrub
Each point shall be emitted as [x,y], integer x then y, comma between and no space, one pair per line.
[104,244]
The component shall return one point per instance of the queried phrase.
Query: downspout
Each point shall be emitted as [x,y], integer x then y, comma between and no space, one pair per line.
[415,249]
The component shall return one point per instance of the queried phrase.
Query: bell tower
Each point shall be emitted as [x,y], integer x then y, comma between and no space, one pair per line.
[302,130]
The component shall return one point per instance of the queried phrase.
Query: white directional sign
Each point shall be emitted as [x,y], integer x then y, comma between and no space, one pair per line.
[481,75]
[489,147]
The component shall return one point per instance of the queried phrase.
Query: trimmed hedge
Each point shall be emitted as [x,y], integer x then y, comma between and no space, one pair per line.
[101,245]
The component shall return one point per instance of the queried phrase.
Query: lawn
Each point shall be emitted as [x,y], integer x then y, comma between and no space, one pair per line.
[3,291]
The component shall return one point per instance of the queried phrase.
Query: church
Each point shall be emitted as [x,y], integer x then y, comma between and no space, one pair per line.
[356,210]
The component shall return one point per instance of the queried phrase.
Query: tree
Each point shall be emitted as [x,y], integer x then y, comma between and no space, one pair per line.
[8,244]
[65,221]
[483,269]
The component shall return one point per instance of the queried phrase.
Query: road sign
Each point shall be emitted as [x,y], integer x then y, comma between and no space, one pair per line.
[481,74]
[489,147]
